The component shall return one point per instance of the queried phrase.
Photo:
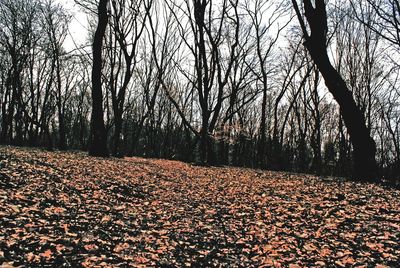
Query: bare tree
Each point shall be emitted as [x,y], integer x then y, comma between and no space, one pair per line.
[56,20]
[212,38]
[17,36]
[264,45]
[98,137]
[364,148]
[386,21]
[126,27]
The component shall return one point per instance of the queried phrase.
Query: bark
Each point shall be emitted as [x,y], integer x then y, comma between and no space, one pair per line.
[316,136]
[98,137]
[117,152]
[363,145]
[364,149]
[61,120]
[263,139]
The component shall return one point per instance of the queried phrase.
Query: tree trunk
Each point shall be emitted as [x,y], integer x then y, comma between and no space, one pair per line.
[117,134]
[61,122]
[262,143]
[204,138]
[98,137]
[364,149]
[62,133]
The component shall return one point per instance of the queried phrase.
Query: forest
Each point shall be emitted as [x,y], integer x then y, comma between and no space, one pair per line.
[210,82]
[199,133]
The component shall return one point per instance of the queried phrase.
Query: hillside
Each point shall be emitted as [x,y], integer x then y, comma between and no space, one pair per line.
[65,208]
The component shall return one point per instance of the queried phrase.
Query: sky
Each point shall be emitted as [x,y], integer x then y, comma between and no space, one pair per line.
[78,25]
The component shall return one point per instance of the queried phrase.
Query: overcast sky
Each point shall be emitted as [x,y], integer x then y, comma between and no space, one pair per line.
[77,27]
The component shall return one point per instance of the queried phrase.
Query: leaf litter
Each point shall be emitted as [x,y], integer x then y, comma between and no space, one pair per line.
[69,209]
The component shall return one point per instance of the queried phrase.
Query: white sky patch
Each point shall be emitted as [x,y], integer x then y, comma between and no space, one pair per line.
[78,32]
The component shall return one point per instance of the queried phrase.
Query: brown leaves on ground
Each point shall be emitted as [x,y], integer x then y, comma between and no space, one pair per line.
[65,208]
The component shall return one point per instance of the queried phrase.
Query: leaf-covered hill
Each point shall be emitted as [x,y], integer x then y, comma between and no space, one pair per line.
[65,208]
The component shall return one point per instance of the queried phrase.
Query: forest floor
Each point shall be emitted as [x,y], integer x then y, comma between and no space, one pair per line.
[68,209]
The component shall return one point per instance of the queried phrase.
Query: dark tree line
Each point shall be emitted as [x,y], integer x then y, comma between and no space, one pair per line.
[306,86]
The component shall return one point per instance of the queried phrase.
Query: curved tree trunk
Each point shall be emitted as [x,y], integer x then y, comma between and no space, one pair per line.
[98,137]
[364,148]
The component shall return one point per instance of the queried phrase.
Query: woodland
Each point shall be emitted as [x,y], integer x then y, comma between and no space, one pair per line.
[199,133]
[278,85]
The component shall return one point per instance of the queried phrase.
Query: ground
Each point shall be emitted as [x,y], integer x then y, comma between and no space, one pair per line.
[69,209]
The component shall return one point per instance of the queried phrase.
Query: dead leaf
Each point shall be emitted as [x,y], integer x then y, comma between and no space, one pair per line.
[47,254]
